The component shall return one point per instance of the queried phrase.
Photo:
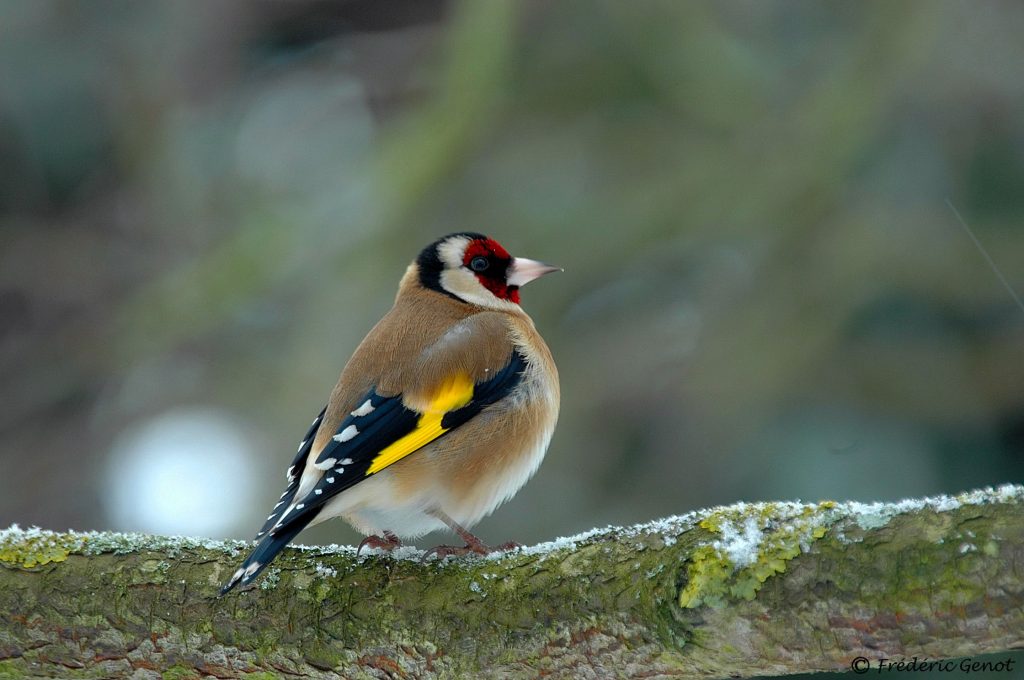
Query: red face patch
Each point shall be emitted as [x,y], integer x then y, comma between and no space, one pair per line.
[484,247]
[490,262]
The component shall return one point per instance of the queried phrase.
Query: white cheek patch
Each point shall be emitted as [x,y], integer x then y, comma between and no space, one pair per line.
[464,285]
[452,251]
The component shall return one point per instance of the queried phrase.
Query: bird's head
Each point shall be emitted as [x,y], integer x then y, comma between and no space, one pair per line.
[476,269]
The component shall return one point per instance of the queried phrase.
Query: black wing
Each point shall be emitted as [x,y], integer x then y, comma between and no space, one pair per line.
[293,475]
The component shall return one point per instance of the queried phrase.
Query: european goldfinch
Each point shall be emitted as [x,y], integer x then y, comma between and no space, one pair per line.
[442,414]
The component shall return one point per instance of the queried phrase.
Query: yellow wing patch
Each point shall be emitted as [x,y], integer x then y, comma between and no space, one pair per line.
[453,394]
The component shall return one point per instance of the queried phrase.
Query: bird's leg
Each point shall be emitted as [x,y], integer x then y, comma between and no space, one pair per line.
[473,544]
[388,542]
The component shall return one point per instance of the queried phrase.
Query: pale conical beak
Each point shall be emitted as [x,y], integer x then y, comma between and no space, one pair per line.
[522,271]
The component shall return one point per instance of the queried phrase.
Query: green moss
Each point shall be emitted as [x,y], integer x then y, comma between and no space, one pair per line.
[925,562]
[323,655]
[179,672]
[261,675]
[11,670]
[780,531]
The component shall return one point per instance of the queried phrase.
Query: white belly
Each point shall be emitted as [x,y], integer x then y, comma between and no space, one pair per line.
[373,506]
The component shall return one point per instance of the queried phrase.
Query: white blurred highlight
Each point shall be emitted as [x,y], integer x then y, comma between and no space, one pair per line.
[187,471]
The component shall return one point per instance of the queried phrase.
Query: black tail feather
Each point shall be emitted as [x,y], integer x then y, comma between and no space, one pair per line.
[265,552]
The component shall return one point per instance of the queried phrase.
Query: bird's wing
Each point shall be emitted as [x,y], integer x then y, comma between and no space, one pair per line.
[382,430]
[292,475]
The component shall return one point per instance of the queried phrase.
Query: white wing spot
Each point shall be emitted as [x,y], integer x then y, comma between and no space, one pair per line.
[330,480]
[346,461]
[318,491]
[346,434]
[300,506]
[315,421]
[363,410]
[270,517]
[251,569]
[325,464]
[340,471]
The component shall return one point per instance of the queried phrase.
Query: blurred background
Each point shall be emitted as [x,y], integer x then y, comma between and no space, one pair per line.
[205,206]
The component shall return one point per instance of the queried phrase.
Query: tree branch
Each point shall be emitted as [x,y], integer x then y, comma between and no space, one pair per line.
[750,589]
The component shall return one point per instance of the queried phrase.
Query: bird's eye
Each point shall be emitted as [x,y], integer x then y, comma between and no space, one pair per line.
[479,264]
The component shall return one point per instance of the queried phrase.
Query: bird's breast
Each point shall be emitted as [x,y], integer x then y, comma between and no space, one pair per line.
[489,462]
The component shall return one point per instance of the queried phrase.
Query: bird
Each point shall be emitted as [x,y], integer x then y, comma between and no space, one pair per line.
[443,412]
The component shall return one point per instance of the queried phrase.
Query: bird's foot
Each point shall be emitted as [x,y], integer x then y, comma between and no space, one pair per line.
[476,546]
[387,542]
[443,551]
[473,544]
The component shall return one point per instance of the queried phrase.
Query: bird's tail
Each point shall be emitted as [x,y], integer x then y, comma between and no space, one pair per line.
[265,552]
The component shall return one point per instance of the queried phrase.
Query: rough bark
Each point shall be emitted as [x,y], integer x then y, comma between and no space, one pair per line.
[751,589]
